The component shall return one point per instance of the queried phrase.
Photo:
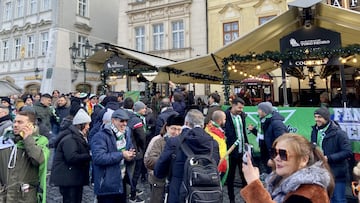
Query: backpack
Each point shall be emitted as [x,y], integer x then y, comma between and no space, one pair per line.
[201,182]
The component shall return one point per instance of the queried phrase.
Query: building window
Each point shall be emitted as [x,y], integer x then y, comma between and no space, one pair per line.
[5,50]
[83,7]
[178,41]
[140,38]
[30,46]
[17,49]
[32,6]
[231,32]
[7,11]
[44,43]
[45,5]
[158,36]
[19,8]
[264,19]
[81,44]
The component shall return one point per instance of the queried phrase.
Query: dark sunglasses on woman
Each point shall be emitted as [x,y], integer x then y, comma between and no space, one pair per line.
[281,152]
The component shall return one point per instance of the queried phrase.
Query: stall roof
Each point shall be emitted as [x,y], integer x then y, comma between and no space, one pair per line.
[142,60]
[267,38]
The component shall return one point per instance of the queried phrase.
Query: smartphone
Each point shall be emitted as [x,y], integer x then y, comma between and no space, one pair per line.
[247,148]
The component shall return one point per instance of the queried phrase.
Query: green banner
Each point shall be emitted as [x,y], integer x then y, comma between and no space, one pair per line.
[135,95]
[300,119]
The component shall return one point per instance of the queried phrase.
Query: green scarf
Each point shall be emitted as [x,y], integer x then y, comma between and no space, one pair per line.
[321,134]
[237,120]
[260,132]
[41,141]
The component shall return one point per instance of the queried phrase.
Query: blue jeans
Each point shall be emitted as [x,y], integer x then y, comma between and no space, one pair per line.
[339,192]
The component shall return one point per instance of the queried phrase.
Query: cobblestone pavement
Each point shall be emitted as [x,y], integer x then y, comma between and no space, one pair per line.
[53,195]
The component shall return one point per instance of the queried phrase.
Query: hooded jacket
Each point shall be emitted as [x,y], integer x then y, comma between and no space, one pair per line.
[28,165]
[199,142]
[337,147]
[305,185]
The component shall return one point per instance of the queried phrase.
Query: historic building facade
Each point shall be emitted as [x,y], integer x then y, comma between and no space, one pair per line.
[174,29]
[35,36]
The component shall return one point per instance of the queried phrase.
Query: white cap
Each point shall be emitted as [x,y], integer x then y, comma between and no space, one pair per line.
[81,117]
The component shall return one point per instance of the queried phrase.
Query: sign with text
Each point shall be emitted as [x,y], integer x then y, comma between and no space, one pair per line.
[116,64]
[300,120]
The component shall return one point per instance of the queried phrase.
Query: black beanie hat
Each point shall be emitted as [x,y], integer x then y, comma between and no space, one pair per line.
[323,112]
[175,120]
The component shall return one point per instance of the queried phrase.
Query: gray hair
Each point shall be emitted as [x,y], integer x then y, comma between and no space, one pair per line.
[194,118]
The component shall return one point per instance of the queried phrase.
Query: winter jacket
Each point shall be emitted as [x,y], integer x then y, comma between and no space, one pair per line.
[43,114]
[152,154]
[199,142]
[62,112]
[230,132]
[106,162]
[337,147]
[72,160]
[180,107]
[138,136]
[305,185]
[273,128]
[163,116]
[24,169]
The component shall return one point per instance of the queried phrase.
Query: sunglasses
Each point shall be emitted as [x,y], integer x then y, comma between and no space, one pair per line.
[281,152]
[355,188]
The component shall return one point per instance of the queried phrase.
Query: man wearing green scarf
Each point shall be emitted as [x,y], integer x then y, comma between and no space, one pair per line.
[23,161]
[335,144]
[270,127]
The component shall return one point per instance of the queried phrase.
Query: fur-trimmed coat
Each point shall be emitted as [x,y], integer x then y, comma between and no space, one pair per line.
[306,185]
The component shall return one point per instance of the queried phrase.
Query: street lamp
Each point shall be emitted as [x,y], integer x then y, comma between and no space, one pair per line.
[76,54]
[37,71]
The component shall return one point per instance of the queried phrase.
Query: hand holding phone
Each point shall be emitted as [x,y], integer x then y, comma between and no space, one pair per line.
[248,148]
[27,130]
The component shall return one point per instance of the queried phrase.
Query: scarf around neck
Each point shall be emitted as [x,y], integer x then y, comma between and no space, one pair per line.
[314,174]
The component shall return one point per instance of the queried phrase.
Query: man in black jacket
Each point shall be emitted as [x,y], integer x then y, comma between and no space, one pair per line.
[166,111]
[235,132]
[336,147]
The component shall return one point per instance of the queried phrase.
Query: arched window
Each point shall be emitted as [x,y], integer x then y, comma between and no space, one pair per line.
[83,88]
[32,88]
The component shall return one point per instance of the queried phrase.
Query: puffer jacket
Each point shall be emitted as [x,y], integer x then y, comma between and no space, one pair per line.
[106,162]
[72,160]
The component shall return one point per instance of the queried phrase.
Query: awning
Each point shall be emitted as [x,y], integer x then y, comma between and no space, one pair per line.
[142,61]
[267,38]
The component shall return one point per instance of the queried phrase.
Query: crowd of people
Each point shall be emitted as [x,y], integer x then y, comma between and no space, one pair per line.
[112,142]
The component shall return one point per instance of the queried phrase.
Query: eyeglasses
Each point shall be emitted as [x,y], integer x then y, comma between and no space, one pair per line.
[355,188]
[281,152]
